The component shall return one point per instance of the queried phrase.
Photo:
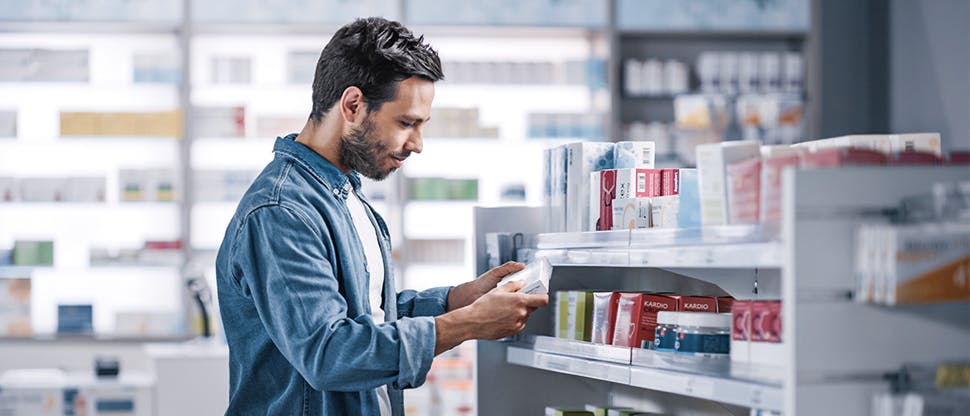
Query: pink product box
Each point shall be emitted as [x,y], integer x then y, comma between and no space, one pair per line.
[744,188]
[638,183]
[670,182]
[771,169]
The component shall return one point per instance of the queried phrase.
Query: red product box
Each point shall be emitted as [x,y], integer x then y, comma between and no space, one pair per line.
[741,320]
[651,304]
[697,304]
[163,245]
[607,195]
[626,330]
[915,157]
[843,156]
[669,182]
[766,321]
[744,191]
[724,304]
[961,157]
[771,169]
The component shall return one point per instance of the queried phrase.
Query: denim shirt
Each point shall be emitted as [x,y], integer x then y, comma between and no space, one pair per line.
[293,293]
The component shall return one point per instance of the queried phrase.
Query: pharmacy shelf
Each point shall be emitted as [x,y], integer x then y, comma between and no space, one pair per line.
[75,27]
[739,246]
[710,378]
[232,153]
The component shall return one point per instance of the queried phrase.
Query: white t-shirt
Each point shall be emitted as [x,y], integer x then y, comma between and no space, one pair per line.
[375,268]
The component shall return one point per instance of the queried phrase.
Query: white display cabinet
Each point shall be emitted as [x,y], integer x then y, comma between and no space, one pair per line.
[835,351]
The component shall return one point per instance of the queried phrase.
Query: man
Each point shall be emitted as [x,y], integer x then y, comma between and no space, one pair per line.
[306,292]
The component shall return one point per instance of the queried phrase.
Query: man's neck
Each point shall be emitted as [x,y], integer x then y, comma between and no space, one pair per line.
[323,137]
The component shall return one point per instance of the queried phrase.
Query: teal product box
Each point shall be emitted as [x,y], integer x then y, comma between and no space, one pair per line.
[75,319]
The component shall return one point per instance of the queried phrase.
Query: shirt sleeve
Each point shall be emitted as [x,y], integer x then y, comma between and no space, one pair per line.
[297,296]
[431,302]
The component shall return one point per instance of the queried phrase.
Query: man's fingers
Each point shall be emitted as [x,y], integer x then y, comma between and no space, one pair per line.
[512,286]
[536,300]
[504,270]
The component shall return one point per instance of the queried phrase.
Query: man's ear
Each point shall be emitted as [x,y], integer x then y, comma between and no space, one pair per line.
[352,105]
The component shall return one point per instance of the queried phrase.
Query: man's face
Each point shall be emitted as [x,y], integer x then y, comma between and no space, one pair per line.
[379,145]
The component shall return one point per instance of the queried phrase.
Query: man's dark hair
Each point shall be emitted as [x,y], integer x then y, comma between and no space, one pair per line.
[375,55]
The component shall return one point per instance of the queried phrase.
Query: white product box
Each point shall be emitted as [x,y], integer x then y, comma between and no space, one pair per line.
[85,189]
[554,161]
[927,264]
[664,212]
[536,276]
[8,190]
[712,162]
[582,158]
[8,124]
[631,213]
[595,192]
[886,143]
[634,155]
[42,189]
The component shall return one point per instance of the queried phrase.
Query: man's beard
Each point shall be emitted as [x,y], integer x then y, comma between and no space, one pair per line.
[363,152]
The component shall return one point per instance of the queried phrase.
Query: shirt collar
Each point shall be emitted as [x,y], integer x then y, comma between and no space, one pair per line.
[320,167]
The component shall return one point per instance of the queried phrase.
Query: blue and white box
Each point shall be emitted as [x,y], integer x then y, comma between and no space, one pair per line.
[554,188]
[583,158]
[634,155]
[689,202]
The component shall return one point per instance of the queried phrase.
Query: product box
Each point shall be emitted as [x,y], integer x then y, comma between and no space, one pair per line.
[579,315]
[925,264]
[774,159]
[566,411]
[636,317]
[634,155]
[669,182]
[562,314]
[581,159]
[744,191]
[637,183]
[554,164]
[631,213]
[741,331]
[688,200]
[696,303]
[75,319]
[603,410]
[712,162]
[42,189]
[594,201]
[724,304]
[150,185]
[665,212]
[842,156]
[220,122]
[8,124]
[15,307]
[85,189]
[915,157]
[884,143]
[766,338]
[604,316]
[607,194]
[33,253]
[9,189]
[136,124]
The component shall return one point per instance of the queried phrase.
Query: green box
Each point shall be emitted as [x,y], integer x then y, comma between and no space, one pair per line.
[562,313]
[33,253]
[580,315]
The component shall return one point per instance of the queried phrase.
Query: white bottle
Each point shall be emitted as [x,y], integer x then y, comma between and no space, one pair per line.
[632,77]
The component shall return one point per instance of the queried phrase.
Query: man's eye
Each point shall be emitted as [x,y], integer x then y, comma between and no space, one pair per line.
[407,124]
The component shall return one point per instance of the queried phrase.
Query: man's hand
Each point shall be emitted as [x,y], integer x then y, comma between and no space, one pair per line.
[466,293]
[499,313]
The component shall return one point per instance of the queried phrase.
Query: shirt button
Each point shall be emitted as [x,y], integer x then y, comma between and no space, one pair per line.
[336,192]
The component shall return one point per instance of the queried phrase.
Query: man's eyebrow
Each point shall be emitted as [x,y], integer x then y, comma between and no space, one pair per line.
[415,119]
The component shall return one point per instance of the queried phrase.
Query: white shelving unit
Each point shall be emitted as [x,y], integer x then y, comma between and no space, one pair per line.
[835,351]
